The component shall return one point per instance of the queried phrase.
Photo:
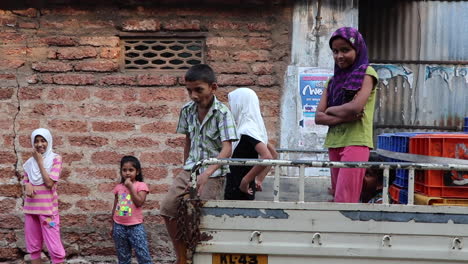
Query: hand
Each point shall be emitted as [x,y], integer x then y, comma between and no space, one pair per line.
[244,187]
[37,156]
[30,190]
[201,181]
[128,183]
[258,185]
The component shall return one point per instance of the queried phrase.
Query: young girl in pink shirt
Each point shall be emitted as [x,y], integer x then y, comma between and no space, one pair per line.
[41,216]
[127,214]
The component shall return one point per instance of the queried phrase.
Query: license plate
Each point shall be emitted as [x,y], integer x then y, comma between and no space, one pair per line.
[239,259]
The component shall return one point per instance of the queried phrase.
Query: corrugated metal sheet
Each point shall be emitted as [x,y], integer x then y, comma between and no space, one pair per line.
[421,54]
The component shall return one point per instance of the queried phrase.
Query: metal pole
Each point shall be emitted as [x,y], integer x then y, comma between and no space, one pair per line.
[411,186]
[276,184]
[385,186]
[301,183]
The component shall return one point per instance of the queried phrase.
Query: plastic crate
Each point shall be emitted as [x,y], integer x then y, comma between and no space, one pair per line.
[438,201]
[394,193]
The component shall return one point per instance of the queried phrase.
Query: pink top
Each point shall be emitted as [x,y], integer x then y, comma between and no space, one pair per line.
[45,200]
[126,213]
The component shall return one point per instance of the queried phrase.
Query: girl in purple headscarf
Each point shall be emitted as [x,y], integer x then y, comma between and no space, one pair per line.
[347,107]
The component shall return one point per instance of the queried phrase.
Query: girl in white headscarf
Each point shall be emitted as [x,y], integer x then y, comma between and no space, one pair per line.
[243,181]
[41,216]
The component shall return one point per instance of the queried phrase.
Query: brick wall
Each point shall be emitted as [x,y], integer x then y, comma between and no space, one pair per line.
[59,69]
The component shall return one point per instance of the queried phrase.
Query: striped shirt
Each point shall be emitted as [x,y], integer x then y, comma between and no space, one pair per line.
[207,137]
[45,200]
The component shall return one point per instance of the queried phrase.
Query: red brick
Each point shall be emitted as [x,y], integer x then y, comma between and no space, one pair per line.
[68,125]
[181,25]
[117,95]
[7,157]
[30,93]
[266,80]
[155,219]
[25,141]
[102,110]
[11,64]
[46,78]
[8,173]
[74,79]
[235,80]
[118,80]
[64,206]
[93,205]
[115,126]
[110,41]
[177,142]
[6,93]
[74,220]
[141,25]
[8,205]
[218,55]
[151,205]
[10,21]
[223,25]
[158,188]
[29,12]
[154,173]
[73,53]
[270,110]
[106,157]
[7,253]
[261,26]
[68,188]
[88,173]
[48,109]
[107,187]
[8,141]
[28,25]
[60,41]
[144,142]
[28,125]
[225,42]
[11,190]
[7,38]
[272,95]
[97,66]
[15,51]
[68,94]
[230,67]
[102,220]
[263,68]
[159,127]
[7,236]
[156,80]
[32,79]
[148,111]
[52,66]
[260,43]
[71,157]
[6,124]
[251,56]
[88,141]
[163,157]
[148,95]
[109,53]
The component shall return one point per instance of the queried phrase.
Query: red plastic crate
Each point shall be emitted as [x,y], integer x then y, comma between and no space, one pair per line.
[394,193]
[437,182]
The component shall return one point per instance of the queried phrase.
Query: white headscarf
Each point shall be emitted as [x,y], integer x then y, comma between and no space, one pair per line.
[246,110]
[31,167]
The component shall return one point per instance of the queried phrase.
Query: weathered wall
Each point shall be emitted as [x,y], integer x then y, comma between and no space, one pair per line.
[59,69]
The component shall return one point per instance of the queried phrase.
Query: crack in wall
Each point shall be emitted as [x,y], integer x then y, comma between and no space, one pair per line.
[15,133]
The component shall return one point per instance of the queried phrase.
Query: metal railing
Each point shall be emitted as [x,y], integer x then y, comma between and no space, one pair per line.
[302,164]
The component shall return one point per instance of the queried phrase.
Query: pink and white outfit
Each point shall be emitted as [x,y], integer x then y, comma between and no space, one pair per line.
[41,215]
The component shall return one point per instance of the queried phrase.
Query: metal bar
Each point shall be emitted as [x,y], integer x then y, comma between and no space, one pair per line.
[418,62]
[301,183]
[385,186]
[450,128]
[411,187]
[335,164]
[276,184]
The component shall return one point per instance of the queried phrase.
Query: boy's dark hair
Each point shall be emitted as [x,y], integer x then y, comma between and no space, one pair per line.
[136,164]
[200,72]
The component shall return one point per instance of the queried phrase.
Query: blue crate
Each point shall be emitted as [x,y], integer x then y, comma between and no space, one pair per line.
[403,199]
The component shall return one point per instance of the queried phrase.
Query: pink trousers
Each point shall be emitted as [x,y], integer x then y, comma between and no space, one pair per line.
[346,182]
[43,228]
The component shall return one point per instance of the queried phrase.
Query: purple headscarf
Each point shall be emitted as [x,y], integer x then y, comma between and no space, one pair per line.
[346,82]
